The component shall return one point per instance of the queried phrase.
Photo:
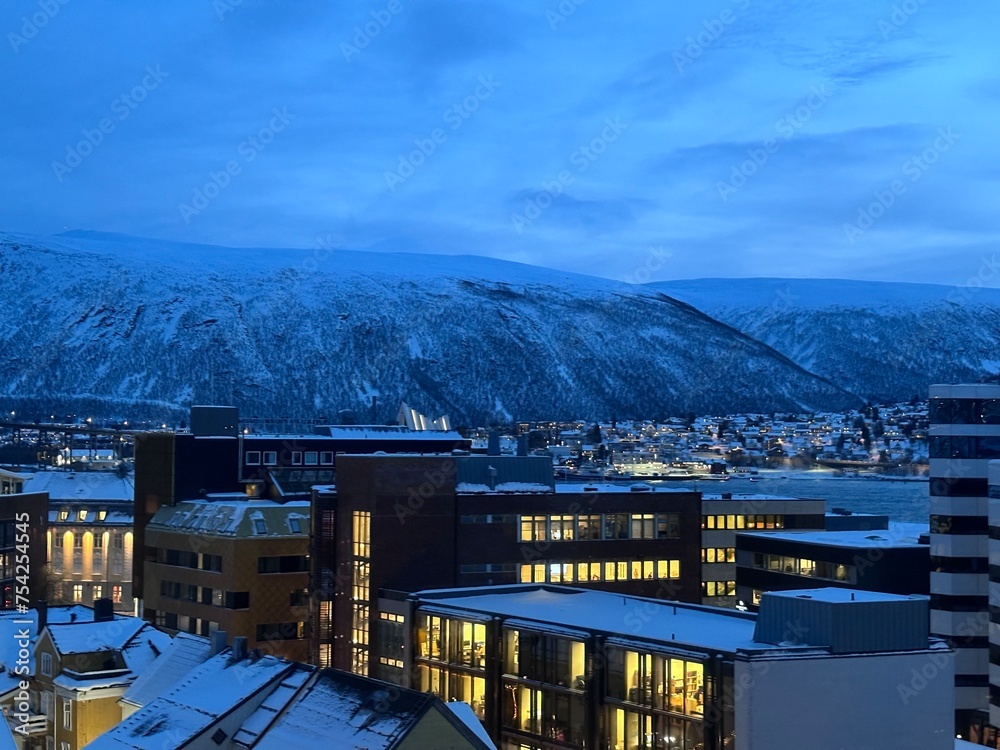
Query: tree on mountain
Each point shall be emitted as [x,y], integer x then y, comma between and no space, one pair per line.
[594,434]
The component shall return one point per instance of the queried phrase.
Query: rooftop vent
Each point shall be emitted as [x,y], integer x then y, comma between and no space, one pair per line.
[640,488]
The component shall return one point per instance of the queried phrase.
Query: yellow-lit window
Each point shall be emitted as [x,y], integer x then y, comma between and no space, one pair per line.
[609,571]
[740,522]
[647,569]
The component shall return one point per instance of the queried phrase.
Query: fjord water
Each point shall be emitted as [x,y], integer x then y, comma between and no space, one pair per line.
[905,500]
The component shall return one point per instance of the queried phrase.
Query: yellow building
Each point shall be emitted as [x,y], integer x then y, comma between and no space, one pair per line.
[82,669]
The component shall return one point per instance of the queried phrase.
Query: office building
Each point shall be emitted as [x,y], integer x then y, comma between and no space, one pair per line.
[233,563]
[405,523]
[565,667]
[723,516]
[964,435]
[894,560]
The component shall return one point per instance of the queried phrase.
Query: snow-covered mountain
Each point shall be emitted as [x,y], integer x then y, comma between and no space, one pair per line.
[111,324]
[883,341]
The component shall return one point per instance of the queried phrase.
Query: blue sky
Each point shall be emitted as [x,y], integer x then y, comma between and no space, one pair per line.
[637,141]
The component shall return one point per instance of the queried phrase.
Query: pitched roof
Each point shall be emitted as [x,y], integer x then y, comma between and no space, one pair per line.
[185,652]
[197,701]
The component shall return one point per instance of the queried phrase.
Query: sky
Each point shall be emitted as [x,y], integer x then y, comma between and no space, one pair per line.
[638,141]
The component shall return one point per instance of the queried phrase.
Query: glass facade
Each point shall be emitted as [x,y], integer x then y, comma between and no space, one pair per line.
[360,608]
[451,659]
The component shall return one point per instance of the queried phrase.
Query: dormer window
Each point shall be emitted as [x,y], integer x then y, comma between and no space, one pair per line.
[82,515]
[259,527]
[102,514]
[294,525]
[63,514]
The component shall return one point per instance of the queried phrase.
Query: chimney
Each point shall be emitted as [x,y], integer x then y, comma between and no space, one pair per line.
[493,444]
[42,608]
[104,610]
[522,445]
[219,638]
[239,648]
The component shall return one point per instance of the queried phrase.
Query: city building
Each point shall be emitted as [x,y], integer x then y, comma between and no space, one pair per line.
[233,563]
[993,478]
[726,514]
[895,560]
[239,700]
[550,667]
[89,542]
[23,528]
[406,523]
[216,457]
[82,667]
[964,435]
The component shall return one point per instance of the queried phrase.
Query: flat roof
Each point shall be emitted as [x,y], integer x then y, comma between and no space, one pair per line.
[81,486]
[685,626]
[620,487]
[836,596]
[761,496]
[897,535]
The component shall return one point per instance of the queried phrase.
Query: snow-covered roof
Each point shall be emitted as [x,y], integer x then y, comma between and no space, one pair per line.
[184,653]
[81,486]
[839,596]
[197,701]
[621,487]
[502,487]
[897,535]
[463,711]
[339,709]
[687,625]
[230,516]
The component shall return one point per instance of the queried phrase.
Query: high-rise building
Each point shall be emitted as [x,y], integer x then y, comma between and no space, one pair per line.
[964,436]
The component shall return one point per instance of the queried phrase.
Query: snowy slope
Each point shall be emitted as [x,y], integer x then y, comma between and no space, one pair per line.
[124,325]
[883,341]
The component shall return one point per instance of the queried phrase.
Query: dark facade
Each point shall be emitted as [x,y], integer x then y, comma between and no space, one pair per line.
[23,531]
[890,561]
[407,523]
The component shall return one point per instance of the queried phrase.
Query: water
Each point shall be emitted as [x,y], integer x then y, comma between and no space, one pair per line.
[901,500]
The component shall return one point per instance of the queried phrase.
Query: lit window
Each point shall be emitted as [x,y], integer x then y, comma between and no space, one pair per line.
[77,594]
[63,514]
[102,514]
[82,515]
[116,594]
[98,591]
